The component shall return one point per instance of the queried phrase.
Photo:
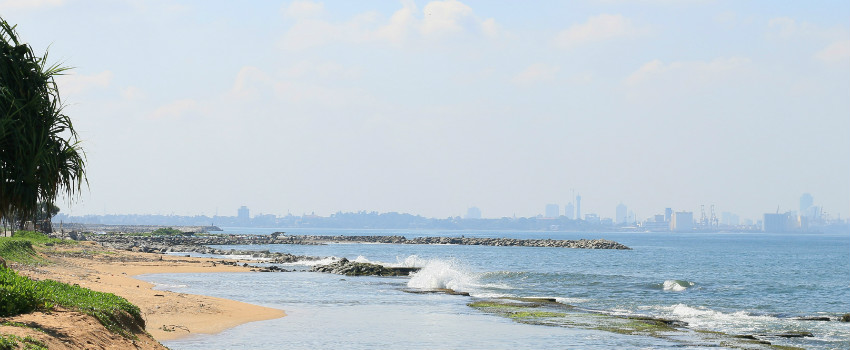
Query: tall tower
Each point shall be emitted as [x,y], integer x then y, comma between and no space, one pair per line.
[578,207]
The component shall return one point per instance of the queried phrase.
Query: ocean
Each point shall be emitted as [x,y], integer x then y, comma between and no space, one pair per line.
[715,286]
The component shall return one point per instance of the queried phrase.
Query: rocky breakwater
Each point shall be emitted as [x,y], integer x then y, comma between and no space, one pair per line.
[351,268]
[512,242]
[169,244]
[279,238]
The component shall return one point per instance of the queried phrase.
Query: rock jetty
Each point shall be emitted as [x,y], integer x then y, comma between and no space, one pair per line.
[351,268]
[164,245]
[280,238]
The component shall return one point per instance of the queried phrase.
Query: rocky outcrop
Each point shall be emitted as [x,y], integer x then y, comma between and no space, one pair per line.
[350,268]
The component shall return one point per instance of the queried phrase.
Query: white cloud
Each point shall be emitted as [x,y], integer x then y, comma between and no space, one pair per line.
[598,28]
[400,25]
[75,84]
[249,80]
[694,71]
[789,28]
[178,109]
[304,9]
[836,52]
[29,4]
[438,19]
[321,70]
[786,26]
[445,17]
[133,93]
[538,72]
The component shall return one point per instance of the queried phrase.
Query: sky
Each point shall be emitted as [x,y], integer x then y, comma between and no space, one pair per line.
[431,107]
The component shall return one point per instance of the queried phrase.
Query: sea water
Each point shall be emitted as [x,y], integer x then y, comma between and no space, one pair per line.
[737,284]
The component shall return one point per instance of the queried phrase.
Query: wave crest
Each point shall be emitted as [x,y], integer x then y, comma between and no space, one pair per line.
[677,285]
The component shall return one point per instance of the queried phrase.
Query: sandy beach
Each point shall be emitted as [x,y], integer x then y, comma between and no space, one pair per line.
[167,315]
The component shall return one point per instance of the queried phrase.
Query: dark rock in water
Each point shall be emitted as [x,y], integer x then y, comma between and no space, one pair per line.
[845,318]
[350,268]
[436,291]
[746,336]
[659,321]
[812,318]
[794,334]
[752,338]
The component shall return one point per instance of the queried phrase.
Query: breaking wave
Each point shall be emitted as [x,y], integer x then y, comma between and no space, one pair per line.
[677,285]
[323,261]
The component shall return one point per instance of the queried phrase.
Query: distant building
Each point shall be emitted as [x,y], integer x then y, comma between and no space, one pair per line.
[473,213]
[243,215]
[656,224]
[668,214]
[570,211]
[729,219]
[682,221]
[775,223]
[578,207]
[592,218]
[806,201]
[622,214]
[553,211]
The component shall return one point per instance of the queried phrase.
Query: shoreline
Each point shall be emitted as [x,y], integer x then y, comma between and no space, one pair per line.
[168,315]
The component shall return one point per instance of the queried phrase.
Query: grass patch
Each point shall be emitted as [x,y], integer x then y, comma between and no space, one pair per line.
[19,247]
[23,295]
[10,342]
[18,250]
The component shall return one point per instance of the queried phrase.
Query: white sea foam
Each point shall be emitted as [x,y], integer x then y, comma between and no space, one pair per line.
[449,274]
[324,261]
[442,274]
[571,301]
[677,285]
[703,317]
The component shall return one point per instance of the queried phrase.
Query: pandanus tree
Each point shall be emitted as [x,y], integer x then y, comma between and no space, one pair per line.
[40,153]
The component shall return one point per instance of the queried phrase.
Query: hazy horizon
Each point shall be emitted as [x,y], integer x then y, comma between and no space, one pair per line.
[431,107]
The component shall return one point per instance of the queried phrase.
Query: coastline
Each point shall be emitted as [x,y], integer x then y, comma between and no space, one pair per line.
[168,315]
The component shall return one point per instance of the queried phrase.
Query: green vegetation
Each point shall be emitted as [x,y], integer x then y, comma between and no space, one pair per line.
[19,247]
[19,251]
[10,342]
[23,295]
[40,154]
[166,231]
[497,305]
[535,314]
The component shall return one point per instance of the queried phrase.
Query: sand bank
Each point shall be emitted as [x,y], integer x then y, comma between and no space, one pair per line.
[168,315]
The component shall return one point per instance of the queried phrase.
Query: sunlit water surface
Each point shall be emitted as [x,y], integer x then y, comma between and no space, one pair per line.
[732,283]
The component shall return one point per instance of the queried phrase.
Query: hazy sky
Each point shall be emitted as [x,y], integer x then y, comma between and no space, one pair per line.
[188,107]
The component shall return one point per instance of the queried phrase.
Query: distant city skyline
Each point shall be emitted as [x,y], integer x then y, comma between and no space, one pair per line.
[431,107]
[619,214]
